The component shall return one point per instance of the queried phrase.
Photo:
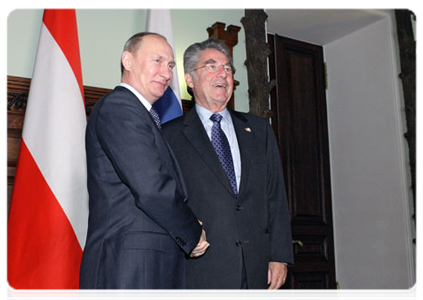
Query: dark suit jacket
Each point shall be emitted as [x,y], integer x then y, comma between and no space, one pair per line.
[256,223]
[139,224]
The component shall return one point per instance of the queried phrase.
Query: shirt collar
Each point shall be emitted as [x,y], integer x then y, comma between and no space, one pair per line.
[139,96]
[205,114]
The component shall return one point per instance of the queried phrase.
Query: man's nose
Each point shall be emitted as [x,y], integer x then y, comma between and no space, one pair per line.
[167,72]
[221,71]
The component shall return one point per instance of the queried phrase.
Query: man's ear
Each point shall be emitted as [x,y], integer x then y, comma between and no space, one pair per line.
[127,60]
[189,80]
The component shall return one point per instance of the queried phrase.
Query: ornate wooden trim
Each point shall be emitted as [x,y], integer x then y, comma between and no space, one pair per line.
[258,50]
[410,77]
[229,36]
[18,91]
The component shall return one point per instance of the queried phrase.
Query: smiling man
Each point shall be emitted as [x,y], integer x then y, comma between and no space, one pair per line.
[231,166]
[139,226]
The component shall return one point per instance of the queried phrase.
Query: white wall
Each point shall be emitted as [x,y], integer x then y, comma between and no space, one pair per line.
[103,32]
[373,246]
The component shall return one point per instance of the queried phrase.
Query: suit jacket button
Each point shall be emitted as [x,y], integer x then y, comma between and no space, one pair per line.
[239,207]
[238,243]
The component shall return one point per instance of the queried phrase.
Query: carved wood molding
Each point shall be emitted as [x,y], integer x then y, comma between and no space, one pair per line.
[229,36]
[258,50]
[18,91]
[411,89]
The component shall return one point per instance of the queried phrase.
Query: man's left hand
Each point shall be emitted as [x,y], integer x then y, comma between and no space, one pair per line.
[277,275]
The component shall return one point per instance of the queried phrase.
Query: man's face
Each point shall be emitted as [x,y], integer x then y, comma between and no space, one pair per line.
[150,68]
[212,87]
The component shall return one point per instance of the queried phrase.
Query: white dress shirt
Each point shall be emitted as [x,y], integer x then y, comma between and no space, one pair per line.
[229,130]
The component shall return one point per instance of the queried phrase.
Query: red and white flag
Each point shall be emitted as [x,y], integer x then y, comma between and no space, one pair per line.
[49,208]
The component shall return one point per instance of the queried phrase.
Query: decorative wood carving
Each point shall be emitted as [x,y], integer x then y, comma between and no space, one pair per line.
[18,91]
[258,50]
[230,38]
[407,47]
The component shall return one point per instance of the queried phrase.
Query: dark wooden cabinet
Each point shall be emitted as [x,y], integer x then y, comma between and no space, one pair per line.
[299,120]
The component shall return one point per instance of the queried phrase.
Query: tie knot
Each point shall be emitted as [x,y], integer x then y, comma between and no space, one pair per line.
[216,118]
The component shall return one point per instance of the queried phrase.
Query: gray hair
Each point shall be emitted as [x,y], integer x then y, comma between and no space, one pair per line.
[193,53]
[134,43]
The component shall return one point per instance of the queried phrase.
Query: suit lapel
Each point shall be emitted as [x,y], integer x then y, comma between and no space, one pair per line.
[197,136]
[244,136]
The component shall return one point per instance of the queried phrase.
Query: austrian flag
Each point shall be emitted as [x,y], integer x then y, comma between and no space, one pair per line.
[49,208]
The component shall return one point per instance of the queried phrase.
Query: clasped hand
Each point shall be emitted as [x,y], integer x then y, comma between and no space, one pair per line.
[202,245]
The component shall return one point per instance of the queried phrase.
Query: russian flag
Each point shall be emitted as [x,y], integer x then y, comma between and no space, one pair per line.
[169,105]
[48,214]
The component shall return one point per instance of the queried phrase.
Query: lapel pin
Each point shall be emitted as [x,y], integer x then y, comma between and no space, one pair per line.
[248,129]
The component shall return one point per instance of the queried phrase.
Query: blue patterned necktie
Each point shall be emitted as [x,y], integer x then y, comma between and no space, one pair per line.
[223,150]
[156,117]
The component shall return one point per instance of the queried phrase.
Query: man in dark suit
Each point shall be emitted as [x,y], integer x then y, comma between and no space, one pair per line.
[140,227]
[233,174]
